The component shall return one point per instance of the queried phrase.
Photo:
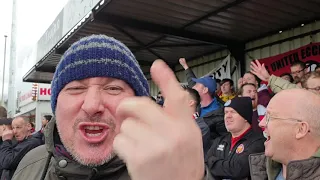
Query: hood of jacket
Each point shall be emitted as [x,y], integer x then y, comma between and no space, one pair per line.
[114,167]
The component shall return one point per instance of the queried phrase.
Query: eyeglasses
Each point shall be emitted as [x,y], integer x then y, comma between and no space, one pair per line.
[297,72]
[268,118]
[315,89]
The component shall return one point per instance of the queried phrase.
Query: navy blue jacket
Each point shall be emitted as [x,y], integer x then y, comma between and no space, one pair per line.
[11,154]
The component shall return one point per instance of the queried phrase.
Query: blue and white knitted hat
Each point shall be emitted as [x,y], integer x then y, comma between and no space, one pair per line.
[98,56]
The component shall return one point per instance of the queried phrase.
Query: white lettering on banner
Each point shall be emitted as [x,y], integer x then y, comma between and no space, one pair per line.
[223,70]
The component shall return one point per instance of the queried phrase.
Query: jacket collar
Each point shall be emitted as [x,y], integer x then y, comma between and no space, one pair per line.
[74,169]
[219,111]
[272,168]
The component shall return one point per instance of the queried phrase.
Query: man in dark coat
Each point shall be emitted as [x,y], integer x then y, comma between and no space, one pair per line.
[11,152]
[228,157]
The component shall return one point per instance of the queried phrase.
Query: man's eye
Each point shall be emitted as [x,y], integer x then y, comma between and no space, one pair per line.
[75,89]
[113,90]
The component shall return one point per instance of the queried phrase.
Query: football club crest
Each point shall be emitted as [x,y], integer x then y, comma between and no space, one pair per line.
[240,149]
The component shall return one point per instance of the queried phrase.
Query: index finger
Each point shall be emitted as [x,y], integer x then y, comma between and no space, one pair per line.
[176,97]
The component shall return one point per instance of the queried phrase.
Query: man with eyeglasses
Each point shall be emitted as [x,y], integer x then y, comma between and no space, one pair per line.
[292,129]
[311,82]
[298,70]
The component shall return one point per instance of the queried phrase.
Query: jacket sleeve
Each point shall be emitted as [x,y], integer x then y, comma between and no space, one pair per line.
[236,166]
[217,125]
[10,155]
[205,131]
[208,175]
[190,75]
[212,148]
[278,84]
[221,128]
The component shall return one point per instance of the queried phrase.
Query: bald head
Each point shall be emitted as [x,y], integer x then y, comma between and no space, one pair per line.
[21,128]
[298,104]
[20,120]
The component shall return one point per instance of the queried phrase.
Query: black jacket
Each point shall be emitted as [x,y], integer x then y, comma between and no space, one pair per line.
[11,154]
[215,121]
[39,135]
[224,163]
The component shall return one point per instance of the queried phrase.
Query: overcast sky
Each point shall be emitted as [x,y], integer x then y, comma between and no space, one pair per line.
[33,18]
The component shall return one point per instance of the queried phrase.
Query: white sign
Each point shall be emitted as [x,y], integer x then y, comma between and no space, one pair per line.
[44,92]
[74,11]
[24,98]
[51,37]
[223,70]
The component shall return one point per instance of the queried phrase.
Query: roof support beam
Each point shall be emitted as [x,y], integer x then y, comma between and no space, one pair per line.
[50,69]
[166,30]
[212,13]
[173,45]
[238,52]
[136,40]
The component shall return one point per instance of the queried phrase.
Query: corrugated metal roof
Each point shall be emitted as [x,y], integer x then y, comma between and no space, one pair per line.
[190,28]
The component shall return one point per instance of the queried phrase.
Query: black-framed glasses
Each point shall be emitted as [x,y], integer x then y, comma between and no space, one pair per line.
[297,72]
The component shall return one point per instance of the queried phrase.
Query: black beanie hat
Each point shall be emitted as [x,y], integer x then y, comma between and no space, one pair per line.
[243,106]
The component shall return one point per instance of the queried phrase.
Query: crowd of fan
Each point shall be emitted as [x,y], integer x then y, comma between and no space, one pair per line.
[268,128]
[235,124]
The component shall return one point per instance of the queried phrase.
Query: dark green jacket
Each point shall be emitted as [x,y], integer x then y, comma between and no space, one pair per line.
[263,168]
[33,165]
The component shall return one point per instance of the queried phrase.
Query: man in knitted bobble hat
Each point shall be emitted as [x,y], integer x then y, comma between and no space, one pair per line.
[228,155]
[103,129]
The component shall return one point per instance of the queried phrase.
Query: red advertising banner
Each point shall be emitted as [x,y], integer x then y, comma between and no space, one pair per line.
[277,65]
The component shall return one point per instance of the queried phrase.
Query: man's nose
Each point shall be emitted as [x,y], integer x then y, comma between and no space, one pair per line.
[93,102]
[262,123]
[227,115]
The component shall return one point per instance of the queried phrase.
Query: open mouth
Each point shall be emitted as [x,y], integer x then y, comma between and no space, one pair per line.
[252,99]
[94,132]
[266,135]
